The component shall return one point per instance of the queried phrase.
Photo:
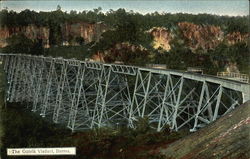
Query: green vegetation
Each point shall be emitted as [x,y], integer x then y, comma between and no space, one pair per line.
[238,53]
[78,52]
[212,62]
[2,89]
[130,27]
[19,43]
[111,18]
[25,129]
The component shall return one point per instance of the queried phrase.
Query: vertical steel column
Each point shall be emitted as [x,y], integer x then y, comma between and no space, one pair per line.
[30,73]
[131,111]
[39,84]
[199,105]
[65,96]
[15,82]
[217,103]
[48,87]
[164,117]
[86,111]
[28,80]
[210,111]
[204,103]
[169,100]
[60,90]
[21,80]
[146,94]
[11,76]
[101,97]
[7,63]
[174,122]
[113,99]
[139,97]
[75,109]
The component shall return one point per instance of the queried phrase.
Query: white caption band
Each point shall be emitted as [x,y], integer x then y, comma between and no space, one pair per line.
[41,151]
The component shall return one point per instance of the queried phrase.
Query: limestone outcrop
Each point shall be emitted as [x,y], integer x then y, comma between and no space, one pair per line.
[196,37]
[69,32]
[162,37]
[88,31]
[31,31]
[200,36]
[236,37]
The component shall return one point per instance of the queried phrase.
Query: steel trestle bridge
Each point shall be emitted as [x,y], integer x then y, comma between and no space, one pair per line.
[86,95]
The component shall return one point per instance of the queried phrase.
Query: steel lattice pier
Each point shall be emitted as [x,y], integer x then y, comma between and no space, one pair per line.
[86,95]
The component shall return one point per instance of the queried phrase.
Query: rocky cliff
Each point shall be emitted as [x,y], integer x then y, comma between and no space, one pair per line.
[235,37]
[121,52]
[31,31]
[200,36]
[196,37]
[69,32]
[88,31]
[162,37]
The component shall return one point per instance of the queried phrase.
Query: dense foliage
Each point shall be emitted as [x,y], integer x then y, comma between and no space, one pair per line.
[112,18]
[19,43]
[131,27]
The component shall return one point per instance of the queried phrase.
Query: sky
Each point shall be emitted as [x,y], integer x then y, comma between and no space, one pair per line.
[218,7]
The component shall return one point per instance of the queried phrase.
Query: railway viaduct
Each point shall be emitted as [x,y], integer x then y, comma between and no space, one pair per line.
[86,95]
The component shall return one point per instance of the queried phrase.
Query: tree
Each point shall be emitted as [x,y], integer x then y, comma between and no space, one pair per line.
[79,40]
[19,43]
[97,10]
[58,8]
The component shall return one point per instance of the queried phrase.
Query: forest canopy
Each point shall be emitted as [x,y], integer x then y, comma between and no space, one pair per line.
[111,18]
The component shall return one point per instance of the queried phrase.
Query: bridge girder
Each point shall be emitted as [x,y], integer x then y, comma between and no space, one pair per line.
[85,95]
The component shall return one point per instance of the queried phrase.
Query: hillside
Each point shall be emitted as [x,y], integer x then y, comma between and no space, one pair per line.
[62,28]
[69,33]
[215,43]
[195,37]
[228,137]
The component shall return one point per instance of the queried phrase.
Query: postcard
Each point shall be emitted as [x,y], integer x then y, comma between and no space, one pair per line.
[124,79]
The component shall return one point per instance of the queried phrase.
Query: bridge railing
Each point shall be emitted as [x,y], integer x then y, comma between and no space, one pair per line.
[195,70]
[234,76]
[157,66]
